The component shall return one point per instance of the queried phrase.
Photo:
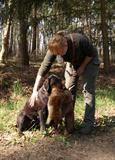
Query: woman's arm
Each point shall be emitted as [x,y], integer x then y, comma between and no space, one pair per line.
[43,70]
[82,67]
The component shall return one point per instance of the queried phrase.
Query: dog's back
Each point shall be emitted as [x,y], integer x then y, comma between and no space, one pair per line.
[60,98]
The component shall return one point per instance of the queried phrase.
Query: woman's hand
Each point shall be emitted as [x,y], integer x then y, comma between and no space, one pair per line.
[33,98]
[80,70]
[35,92]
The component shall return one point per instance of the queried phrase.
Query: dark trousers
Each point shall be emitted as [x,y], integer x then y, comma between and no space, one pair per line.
[89,79]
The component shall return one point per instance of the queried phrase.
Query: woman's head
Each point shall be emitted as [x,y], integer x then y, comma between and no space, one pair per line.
[58,44]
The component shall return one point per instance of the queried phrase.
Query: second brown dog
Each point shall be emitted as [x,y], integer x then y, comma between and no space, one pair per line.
[60,104]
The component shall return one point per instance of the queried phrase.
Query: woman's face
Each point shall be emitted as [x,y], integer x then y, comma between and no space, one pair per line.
[60,51]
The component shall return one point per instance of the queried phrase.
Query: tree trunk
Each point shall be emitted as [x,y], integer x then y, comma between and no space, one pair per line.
[34,30]
[104,29]
[34,39]
[5,40]
[23,44]
[10,49]
[37,41]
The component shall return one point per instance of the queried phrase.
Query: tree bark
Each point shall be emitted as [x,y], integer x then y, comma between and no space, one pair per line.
[34,30]
[23,49]
[5,42]
[10,48]
[104,29]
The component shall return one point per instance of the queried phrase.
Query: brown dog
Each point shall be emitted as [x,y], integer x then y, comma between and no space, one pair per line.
[60,105]
[38,113]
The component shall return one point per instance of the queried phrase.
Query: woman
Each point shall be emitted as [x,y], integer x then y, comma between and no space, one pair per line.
[82,59]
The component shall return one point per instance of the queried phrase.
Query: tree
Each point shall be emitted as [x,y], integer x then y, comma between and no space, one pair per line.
[34,27]
[104,29]
[23,9]
[8,12]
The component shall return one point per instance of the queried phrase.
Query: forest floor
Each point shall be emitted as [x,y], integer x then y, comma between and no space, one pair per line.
[99,145]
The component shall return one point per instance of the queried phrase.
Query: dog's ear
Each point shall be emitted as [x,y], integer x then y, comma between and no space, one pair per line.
[47,85]
[55,81]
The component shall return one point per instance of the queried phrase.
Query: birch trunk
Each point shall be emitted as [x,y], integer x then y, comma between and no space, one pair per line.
[5,42]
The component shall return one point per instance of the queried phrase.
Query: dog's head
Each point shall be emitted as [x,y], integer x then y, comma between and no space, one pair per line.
[23,122]
[28,118]
[52,81]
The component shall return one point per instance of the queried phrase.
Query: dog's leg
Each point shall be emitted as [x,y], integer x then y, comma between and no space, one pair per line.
[42,123]
[69,122]
[45,114]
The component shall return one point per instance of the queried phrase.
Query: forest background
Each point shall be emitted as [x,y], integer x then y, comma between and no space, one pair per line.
[25,28]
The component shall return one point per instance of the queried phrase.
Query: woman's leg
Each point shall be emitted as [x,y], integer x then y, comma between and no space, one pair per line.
[89,78]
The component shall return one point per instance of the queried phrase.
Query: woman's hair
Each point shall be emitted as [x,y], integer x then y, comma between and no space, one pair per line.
[57,41]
